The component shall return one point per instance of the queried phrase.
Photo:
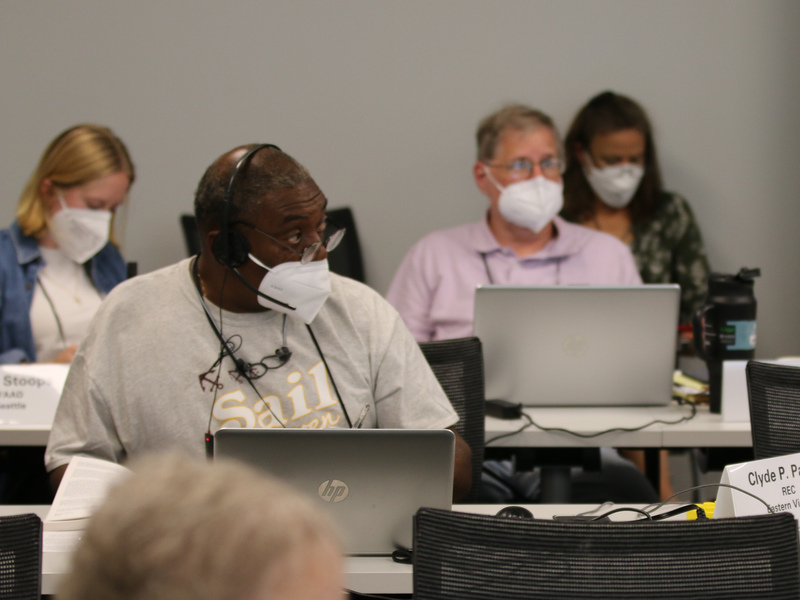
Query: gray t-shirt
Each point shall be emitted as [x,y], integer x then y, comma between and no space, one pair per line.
[146,378]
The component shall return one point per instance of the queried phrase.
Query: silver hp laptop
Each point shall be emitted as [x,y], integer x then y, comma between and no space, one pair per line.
[371,481]
[578,345]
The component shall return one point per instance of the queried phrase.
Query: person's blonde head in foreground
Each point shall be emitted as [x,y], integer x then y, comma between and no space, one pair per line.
[184,529]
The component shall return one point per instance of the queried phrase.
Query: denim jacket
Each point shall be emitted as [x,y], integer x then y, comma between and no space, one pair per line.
[20,261]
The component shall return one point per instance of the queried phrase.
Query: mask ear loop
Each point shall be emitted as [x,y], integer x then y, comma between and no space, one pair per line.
[492,179]
[60,197]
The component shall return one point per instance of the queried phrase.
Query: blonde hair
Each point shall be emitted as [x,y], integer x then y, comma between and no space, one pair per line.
[77,156]
[185,529]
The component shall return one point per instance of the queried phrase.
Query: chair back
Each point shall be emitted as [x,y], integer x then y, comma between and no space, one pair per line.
[20,557]
[347,259]
[773,391]
[458,365]
[191,237]
[460,556]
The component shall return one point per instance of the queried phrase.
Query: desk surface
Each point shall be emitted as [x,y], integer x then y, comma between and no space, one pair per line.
[24,435]
[705,429]
[374,574]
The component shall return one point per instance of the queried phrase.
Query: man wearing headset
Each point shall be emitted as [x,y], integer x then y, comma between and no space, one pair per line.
[254,332]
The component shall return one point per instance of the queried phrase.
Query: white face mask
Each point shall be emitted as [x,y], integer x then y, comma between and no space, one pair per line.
[614,185]
[531,203]
[303,287]
[80,232]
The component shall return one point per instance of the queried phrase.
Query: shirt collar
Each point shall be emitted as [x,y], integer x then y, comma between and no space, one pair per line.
[26,246]
[563,245]
[483,239]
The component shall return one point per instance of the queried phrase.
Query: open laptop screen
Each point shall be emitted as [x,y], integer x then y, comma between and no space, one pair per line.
[578,345]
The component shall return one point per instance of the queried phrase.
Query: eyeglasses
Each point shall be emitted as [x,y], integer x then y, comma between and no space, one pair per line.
[333,235]
[259,369]
[522,168]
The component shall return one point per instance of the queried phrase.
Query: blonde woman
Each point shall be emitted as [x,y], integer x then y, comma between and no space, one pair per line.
[59,257]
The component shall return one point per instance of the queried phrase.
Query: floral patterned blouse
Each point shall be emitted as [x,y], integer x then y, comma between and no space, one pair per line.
[669,249]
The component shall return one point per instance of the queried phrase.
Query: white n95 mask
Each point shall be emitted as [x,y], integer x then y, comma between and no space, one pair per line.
[303,287]
[614,185]
[80,232]
[531,203]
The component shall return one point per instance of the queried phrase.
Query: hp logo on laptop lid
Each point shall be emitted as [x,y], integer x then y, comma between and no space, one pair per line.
[333,490]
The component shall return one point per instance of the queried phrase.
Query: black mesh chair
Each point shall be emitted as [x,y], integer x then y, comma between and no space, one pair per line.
[458,365]
[190,235]
[345,260]
[20,557]
[774,394]
[460,556]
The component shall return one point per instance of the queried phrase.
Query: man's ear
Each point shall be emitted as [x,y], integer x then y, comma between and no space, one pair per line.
[481,179]
[210,237]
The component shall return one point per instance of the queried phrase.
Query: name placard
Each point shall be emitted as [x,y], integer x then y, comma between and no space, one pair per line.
[775,480]
[29,394]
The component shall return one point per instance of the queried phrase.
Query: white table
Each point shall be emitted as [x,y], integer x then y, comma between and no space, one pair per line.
[24,435]
[365,574]
[703,430]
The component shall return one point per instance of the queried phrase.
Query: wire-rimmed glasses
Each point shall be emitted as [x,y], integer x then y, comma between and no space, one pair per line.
[333,235]
[522,168]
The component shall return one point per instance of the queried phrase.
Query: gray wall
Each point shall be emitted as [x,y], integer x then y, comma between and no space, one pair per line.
[380,100]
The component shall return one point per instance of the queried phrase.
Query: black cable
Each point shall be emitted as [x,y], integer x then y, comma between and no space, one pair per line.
[651,508]
[531,422]
[520,430]
[486,267]
[355,594]
[677,511]
[707,485]
[586,517]
[330,374]
[648,516]
[404,556]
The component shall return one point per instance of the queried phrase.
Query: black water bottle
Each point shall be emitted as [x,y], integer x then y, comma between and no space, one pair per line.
[725,326]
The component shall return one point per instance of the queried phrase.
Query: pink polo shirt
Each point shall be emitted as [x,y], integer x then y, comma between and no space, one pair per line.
[434,288]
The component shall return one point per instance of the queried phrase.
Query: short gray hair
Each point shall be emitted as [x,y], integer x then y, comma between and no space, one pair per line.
[513,117]
[185,529]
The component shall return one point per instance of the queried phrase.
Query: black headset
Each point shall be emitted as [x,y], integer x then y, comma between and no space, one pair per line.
[231,246]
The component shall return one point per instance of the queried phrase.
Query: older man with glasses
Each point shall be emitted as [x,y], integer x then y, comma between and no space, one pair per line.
[520,241]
